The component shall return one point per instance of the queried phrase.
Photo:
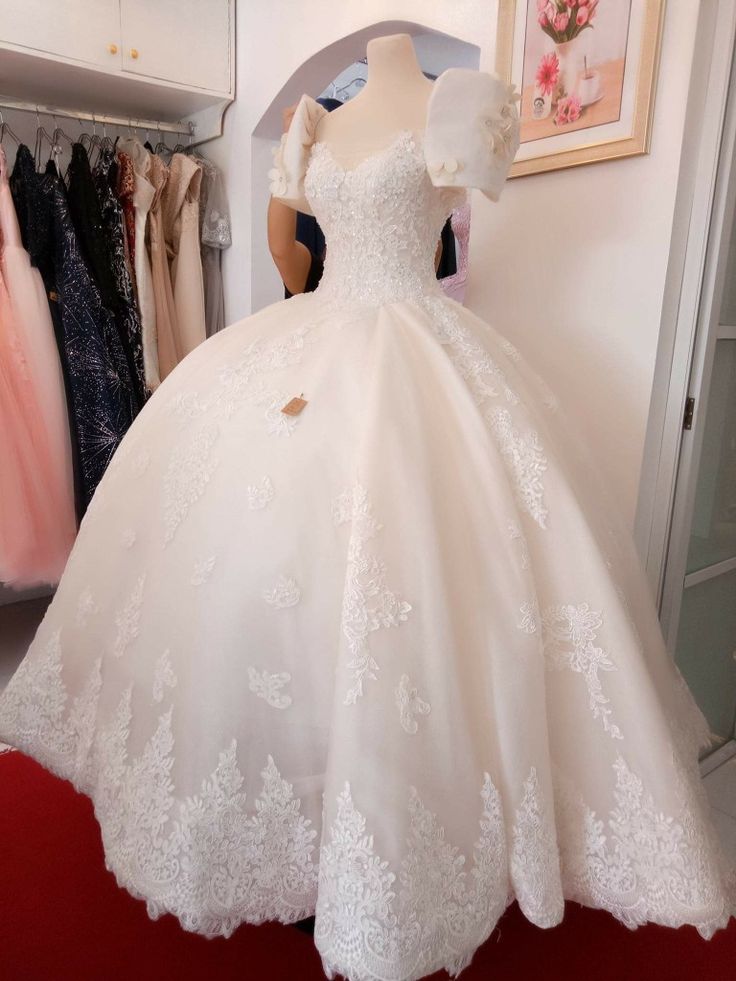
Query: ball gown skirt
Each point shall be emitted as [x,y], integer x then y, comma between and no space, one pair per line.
[391,660]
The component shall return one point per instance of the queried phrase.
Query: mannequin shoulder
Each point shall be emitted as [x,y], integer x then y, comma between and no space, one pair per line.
[472,130]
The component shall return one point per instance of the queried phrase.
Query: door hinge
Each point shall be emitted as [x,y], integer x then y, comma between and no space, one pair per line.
[687,422]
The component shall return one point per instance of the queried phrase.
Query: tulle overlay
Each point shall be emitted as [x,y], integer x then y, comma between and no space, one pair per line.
[392,660]
[37,517]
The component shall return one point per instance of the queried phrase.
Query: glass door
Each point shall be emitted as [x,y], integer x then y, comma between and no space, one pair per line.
[706,638]
[699,589]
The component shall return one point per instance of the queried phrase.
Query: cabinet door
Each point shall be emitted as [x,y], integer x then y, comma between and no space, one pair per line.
[83,30]
[184,41]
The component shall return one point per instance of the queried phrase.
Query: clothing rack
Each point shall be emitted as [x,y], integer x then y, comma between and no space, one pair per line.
[131,122]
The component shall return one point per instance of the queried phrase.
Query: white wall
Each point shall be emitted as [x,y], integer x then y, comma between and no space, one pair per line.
[570,265]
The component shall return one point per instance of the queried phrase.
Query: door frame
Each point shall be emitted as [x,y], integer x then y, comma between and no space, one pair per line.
[704,214]
[694,209]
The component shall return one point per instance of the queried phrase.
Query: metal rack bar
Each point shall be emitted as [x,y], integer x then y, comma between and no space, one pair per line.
[104,118]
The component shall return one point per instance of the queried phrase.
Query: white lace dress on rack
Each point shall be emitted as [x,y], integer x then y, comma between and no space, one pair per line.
[391,660]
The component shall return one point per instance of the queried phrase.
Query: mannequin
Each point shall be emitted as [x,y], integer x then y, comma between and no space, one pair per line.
[394,98]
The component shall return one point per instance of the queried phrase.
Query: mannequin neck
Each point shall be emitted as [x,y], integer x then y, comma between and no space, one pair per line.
[394,97]
[392,65]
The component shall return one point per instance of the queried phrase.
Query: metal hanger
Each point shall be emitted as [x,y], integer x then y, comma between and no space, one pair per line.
[90,141]
[162,145]
[5,128]
[184,148]
[339,90]
[58,134]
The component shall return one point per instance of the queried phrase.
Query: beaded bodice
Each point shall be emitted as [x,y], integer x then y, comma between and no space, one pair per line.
[382,220]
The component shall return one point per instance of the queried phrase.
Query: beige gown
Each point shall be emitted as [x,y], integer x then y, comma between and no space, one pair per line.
[168,350]
[143,199]
[180,212]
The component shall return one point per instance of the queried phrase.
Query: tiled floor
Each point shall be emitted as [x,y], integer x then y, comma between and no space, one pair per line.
[18,623]
[721,787]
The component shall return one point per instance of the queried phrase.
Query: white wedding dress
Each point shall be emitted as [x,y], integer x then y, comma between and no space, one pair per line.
[392,660]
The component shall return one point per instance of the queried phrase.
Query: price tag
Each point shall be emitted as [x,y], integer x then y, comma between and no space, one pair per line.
[295,406]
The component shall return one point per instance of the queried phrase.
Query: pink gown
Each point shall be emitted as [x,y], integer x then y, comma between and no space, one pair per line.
[37,516]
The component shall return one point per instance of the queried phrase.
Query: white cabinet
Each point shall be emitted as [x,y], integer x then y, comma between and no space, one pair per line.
[87,31]
[184,41]
[158,60]
[187,43]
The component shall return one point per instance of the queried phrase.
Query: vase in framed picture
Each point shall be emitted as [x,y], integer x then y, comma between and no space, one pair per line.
[568,55]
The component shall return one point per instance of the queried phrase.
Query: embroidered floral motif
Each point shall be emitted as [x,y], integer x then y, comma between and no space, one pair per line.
[258,864]
[284,592]
[469,356]
[510,349]
[526,460]
[522,452]
[261,494]
[550,401]
[641,864]
[278,423]
[213,860]
[516,534]
[529,622]
[262,355]
[35,709]
[268,686]
[187,405]
[365,581]
[203,570]
[240,383]
[86,607]
[431,914]
[569,633]
[409,704]
[534,861]
[189,471]
[128,618]
[163,676]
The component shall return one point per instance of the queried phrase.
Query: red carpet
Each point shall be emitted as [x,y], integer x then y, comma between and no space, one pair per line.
[63,918]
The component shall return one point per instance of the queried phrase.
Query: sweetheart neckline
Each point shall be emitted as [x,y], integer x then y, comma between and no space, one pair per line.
[399,138]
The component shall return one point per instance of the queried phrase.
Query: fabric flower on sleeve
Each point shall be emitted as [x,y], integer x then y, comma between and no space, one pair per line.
[474,145]
[291,155]
[278,182]
[445,168]
[501,124]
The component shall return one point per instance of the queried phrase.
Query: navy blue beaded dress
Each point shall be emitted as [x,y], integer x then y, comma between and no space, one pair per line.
[95,366]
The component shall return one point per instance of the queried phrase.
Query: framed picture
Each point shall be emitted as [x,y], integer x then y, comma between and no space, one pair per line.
[586,70]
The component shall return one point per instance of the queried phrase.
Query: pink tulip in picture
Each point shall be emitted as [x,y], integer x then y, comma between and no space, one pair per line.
[575,52]
[587,73]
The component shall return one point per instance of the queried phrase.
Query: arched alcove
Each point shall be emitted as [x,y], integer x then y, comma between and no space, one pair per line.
[436,51]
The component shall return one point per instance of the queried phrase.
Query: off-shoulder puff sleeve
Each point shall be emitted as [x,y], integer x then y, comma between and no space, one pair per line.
[290,155]
[472,130]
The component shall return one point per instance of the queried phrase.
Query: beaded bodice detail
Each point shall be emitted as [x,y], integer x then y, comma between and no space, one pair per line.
[382,220]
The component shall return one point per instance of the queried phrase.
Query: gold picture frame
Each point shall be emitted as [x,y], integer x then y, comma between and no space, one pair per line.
[631,79]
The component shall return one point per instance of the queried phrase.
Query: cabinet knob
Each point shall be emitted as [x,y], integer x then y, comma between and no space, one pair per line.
[134,52]
[112,48]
